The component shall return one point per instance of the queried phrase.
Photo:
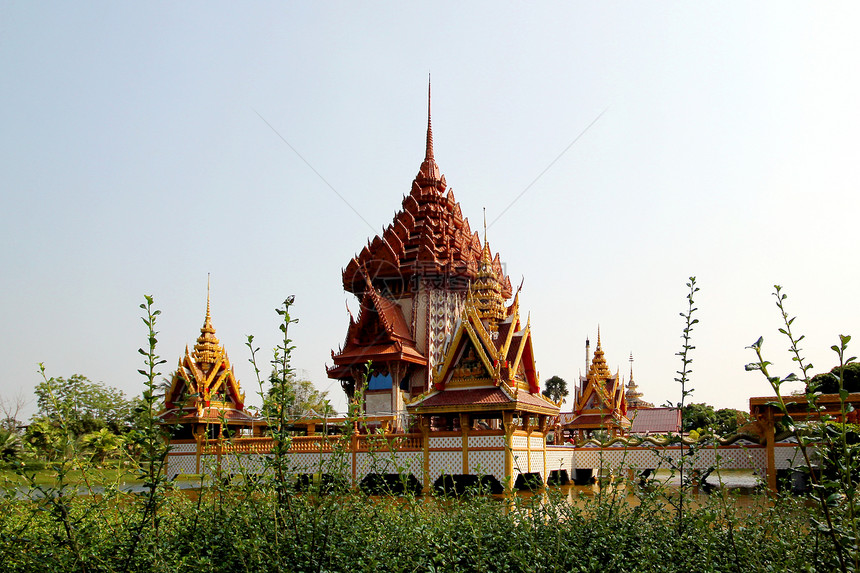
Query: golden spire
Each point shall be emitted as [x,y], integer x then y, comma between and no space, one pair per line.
[208,348]
[486,291]
[599,370]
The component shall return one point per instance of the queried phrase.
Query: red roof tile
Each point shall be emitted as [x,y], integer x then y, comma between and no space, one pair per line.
[655,421]
[208,415]
[463,397]
[592,421]
[483,397]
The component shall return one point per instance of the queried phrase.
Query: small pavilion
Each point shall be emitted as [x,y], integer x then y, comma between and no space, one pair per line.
[600,402]
[204,400]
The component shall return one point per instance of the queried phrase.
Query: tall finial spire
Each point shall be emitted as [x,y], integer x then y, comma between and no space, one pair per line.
[631,368]
[486,291]
[208,348]
[587,354]
[485,225]
[428,154]
[429,172]
[208,317]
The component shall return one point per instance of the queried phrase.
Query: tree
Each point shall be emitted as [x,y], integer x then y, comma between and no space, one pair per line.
[298,396]
[702,417]
[45,436]
[828,382]
[101,444]
[9,410]
[10,444]
[84,406]
[728,420]
[698,416]
[555,389]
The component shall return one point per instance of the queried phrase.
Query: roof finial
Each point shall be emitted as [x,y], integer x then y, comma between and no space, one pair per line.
[208,318]
[208,348]
[485,224]
[429,174]
[587,354]
[631,367]
[428,154]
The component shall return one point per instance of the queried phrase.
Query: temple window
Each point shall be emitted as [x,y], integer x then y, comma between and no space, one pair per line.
[380,382]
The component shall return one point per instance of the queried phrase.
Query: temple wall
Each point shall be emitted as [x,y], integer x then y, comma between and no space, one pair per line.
[377,404]
[788,454]
[558,458]
[488,463]
[419,318]
[445,310]
[485,456]
[751,456]
[182,458]
[181,464]
[241,464]
[445,462]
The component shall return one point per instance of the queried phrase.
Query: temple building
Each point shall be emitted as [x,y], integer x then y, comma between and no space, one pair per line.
[600,401]
[442,363]
[204,399]
[412,281]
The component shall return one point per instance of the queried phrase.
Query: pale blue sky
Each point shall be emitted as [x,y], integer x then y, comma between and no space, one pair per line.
[133,161]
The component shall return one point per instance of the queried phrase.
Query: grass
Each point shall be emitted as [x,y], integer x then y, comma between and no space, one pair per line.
[48,476]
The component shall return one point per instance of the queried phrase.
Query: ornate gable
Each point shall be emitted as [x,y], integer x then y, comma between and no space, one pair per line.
[487,355]
[471,350]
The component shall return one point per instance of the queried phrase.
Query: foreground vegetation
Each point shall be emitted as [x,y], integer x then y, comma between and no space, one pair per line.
[243,528]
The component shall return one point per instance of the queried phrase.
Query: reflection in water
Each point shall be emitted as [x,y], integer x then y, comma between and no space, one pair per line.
[741,487]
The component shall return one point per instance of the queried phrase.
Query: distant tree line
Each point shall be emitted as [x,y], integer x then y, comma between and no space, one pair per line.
[100,420]
[703,418]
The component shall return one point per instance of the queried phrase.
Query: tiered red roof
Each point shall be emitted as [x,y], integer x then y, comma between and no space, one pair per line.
[429,237]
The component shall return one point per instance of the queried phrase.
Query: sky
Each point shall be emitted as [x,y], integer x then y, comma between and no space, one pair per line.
[619,148]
